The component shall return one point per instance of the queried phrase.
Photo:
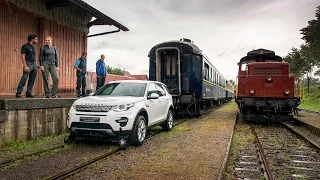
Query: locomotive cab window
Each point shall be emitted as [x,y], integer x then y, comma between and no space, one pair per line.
[244,67]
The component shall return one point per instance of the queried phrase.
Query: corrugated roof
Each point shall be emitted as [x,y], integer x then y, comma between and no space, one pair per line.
[102,19]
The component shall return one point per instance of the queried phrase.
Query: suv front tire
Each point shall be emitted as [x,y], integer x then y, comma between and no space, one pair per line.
[139,132]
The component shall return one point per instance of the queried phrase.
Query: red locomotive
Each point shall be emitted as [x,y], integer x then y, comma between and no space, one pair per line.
[264,87]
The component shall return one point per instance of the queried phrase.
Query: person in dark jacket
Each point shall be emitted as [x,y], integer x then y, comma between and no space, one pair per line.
[101,72]
[30,67]
[48,59]
[81,66]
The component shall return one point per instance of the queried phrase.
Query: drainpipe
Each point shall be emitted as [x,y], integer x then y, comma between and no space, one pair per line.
[99,34]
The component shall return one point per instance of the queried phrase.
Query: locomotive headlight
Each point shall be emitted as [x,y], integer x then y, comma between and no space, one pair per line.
[269,79]
[251,91]
[287,92]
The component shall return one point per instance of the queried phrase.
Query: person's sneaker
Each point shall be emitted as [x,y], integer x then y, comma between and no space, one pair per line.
[29,96]
[55,96]
[78,95]
[18,95]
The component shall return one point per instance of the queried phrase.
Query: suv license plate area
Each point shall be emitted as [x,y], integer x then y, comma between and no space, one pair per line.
[89,119]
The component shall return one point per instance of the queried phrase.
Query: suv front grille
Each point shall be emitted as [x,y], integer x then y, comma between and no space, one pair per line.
[90,125]
[92,108]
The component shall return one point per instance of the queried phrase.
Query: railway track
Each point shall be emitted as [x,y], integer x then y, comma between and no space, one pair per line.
[251,162]
[10,161]
[76,169]
[289,151]
[289,155]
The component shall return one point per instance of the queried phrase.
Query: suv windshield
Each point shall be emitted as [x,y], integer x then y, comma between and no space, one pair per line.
[122,89]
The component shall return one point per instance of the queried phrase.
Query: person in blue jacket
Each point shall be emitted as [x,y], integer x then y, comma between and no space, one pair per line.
[81,66]
[101,72]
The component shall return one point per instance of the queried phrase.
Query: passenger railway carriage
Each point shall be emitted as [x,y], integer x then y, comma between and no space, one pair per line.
[190,77]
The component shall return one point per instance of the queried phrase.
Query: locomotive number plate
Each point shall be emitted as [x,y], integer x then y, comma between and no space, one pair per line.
[269,85]
[89,119]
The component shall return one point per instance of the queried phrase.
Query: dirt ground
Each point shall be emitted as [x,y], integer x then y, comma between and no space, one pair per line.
[192,150]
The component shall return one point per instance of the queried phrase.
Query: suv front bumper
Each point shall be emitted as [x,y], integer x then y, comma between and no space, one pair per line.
[109,124]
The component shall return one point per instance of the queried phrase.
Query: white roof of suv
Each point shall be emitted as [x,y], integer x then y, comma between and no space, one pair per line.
[135,81]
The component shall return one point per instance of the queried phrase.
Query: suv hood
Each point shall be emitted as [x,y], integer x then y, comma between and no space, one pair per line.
[108,100]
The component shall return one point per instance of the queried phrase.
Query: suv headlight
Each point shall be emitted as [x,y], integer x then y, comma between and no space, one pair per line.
[122,107]
[73,106]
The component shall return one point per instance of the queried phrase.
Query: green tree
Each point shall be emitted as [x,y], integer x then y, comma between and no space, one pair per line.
[113,70]
[232,82]
[302,62]
[311,34]
[294,59]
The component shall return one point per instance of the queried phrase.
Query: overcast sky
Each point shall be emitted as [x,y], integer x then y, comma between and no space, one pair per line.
[225,30]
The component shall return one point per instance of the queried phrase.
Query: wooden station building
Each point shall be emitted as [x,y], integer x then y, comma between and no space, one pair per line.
[67,21]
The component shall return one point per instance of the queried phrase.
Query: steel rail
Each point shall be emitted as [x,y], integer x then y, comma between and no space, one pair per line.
[263,157]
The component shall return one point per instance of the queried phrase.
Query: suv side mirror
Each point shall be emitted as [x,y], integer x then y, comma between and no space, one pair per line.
[153,96]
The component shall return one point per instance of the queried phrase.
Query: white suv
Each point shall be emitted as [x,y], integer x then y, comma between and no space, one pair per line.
[122,110]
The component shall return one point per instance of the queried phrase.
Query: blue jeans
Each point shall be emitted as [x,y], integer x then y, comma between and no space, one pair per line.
[32,74]
[100,81]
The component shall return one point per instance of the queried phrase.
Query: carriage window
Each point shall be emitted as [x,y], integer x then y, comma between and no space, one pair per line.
[171,63]
[217,80]
[168,65]
[206,71]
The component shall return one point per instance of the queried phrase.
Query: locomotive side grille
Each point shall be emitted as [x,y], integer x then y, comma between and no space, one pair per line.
[267,71]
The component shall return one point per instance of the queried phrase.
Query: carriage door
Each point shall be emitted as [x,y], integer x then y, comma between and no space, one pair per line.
[170,71]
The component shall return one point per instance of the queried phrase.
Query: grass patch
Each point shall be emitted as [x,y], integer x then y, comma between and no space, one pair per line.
[176,129]
[33,144]
[311,102]
[15,149]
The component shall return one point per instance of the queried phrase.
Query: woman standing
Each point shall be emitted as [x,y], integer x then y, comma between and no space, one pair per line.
[49,63]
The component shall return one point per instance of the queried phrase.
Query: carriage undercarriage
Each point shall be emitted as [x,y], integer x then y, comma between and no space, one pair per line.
[186,105]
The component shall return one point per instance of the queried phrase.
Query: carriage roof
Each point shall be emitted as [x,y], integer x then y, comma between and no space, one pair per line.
[194,47]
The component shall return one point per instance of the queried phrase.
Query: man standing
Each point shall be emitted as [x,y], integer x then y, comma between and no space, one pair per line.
[81,66]
[101,72]
[30,67]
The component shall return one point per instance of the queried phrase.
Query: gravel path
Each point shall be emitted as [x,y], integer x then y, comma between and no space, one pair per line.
[313,119]
[192,150]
